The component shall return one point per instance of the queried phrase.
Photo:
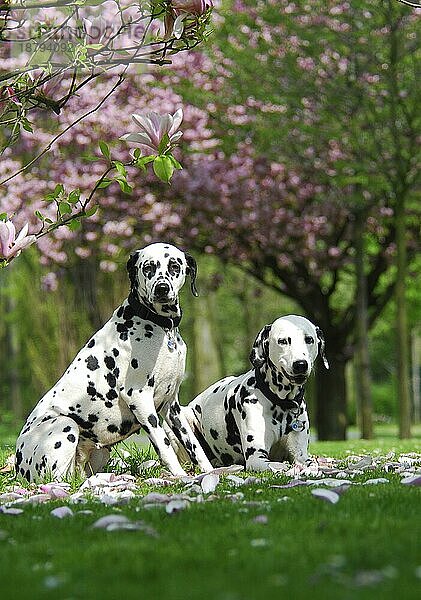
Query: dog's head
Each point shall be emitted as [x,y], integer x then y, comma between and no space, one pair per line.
[290,345]
[158,272]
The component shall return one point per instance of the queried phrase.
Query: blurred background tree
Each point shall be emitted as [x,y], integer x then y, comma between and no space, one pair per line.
[300,150]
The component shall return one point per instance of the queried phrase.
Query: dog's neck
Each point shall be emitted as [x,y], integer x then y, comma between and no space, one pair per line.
[166,316]
[278,389]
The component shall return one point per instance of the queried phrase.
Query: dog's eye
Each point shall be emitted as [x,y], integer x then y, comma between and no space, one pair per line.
[174,268]
[283,341]
[149,269]
[309,340]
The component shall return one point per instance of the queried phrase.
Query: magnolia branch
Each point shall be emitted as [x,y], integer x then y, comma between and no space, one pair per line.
[65,130]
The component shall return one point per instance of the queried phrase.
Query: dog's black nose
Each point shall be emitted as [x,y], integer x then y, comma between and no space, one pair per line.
[162,290]
[300,366]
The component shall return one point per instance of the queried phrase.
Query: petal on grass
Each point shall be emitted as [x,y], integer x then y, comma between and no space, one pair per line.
[412,480]
[11,511]
[327,495]
[61,512]
[262,519]
[104,522]
[209,483]
[376,481]
[176,506]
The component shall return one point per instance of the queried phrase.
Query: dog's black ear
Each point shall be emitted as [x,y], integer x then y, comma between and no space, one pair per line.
[192,272]
[132,270]
[260,350]
[321,339]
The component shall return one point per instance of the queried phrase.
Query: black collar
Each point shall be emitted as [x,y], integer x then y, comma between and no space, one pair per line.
[146,313]
[284,403]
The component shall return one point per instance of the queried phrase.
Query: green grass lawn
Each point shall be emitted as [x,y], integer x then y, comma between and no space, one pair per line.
[368,545]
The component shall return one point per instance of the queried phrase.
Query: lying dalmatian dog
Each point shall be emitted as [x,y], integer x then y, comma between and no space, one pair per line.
[127,374]
[261,416]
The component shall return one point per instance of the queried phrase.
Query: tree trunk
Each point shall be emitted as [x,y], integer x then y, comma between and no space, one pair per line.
[416,355]
[206,365]
[84,276]
[402,343]
[331,400]
[362,361]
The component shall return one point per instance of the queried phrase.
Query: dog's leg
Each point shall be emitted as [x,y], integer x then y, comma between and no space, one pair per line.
[98,458]
[48,450]
[256,438]
[297,441]
[143,407]
[180,426]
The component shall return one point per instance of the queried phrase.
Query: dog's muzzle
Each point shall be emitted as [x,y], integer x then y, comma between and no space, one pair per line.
[300,372]
[162,292]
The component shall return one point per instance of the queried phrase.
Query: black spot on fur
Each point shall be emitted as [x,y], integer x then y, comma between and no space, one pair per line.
[125,427]
[226,459]
[91,343]
[112,428]
[92,363]
[134,363]
[214,433]
[153,420]
[71,438]
[111,380]
[57,445]
[109,362]
[249,452]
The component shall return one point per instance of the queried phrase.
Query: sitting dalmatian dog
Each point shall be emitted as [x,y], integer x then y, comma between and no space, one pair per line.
[126,375]
[261,416]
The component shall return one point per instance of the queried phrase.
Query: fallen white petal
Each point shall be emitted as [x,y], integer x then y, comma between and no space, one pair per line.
[158,481]
[156,498]
[62,512]
[363,463]
[279,466]
[175,506]
[327,495]
[412,480]
[11,511]
[237,481]
[209,483]
[262,519]
[104,522]
[376,481]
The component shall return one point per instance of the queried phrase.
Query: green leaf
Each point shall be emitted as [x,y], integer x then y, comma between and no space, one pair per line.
[64,208]
[104,183]
[164,143]
[105,150]
[144,160]
[91,211]
[27,125]
[59,189]
[163,168]
[175,162]
[3,216]
[120,168]
[74,224]
[74,196]
[125,187]
[39,215]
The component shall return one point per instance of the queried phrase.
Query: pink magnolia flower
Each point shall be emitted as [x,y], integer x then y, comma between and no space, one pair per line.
[10,245]
[193,7]
[153,128]
[179,10]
